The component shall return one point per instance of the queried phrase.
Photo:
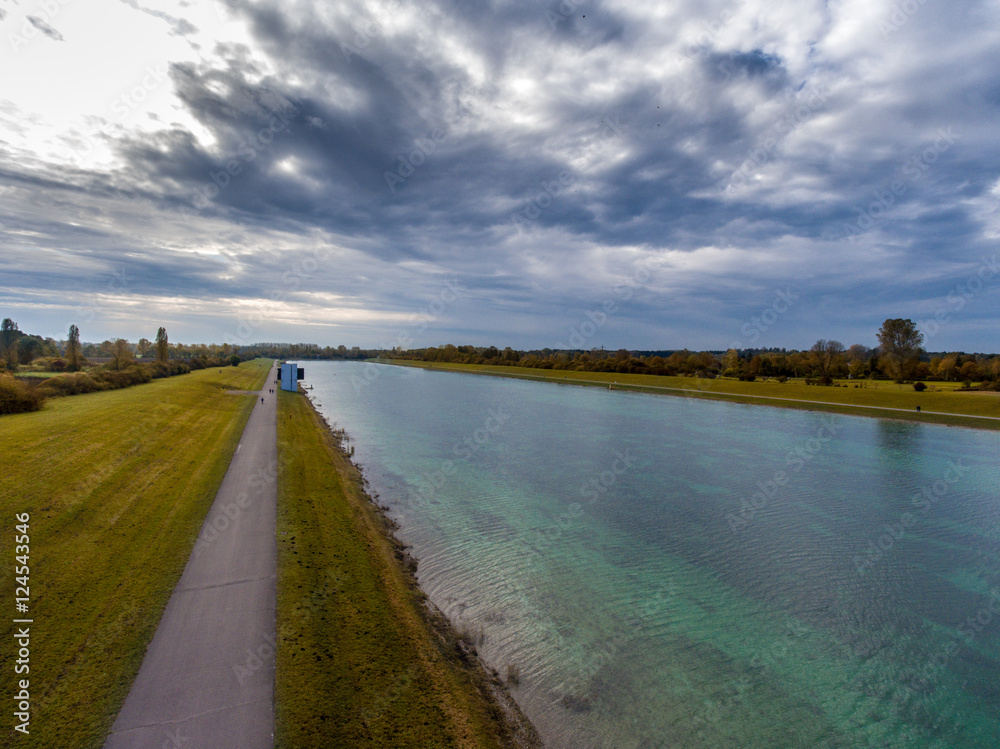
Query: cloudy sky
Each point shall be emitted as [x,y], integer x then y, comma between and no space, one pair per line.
[621,173]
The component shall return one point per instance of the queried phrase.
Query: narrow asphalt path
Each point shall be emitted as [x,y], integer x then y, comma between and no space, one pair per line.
[208,676]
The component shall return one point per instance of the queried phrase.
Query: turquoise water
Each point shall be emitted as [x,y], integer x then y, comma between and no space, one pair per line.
[671,572]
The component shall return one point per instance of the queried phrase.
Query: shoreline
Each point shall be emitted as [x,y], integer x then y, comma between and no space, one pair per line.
[514,729]
[938,418]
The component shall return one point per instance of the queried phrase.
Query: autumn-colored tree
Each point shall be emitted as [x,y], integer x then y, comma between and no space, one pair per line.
[120,353]
[900,342]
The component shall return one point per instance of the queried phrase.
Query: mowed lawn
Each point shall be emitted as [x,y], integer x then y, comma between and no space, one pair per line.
[881,393]
[357,664]
[117,484]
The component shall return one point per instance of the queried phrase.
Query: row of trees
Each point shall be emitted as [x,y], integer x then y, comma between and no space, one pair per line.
[18,348]
[898,356]
[72,355]
[122,368]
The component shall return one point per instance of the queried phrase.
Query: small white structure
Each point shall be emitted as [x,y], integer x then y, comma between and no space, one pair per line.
[290,376]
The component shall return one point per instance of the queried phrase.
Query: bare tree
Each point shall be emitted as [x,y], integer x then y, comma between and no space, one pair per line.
[825,355]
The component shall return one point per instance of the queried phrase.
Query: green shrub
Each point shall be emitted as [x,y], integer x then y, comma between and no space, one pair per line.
[139,373]
[71,384]
[16,398]
[107,379]
[113,379]
[919,387]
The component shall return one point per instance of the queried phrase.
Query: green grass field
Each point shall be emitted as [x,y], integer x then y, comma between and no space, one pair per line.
[856,401]
[358,664]
[117,484]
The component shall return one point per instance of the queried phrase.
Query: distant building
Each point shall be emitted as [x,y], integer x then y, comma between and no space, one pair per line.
[290,376]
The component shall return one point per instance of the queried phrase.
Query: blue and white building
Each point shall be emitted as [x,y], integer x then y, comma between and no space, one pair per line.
[290,376]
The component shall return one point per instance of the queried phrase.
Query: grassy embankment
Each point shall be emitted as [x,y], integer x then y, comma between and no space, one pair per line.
[361,661]
[117,484]
[959,408]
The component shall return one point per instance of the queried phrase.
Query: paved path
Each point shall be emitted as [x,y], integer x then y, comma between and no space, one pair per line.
[208,676]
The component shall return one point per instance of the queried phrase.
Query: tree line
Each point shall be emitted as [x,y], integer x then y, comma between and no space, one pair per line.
[88,367]
[899,356]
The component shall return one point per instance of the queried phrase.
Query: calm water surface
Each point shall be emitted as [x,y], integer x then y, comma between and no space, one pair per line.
[669,572]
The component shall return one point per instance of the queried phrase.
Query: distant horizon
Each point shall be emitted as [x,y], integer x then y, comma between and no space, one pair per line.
[641,351]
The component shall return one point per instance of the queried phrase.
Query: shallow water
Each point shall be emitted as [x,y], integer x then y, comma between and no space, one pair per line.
[672,572]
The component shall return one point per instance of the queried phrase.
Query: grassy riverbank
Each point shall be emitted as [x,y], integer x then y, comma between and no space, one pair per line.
[117,484]
[361,660]
[878,398]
